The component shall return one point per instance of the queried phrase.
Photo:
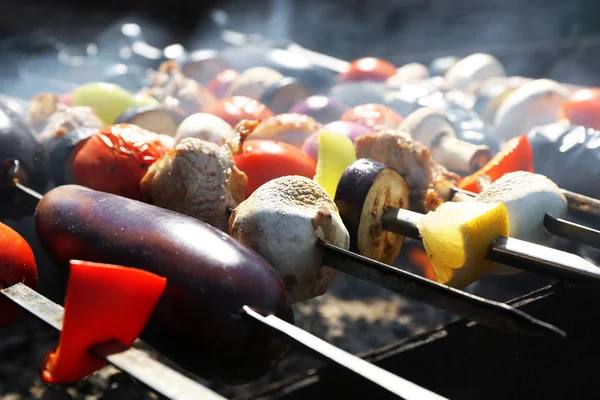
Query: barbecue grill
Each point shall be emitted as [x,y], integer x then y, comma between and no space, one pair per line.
[461,359]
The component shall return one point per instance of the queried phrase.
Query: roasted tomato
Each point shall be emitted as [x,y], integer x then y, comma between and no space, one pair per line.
[263,160]
[17,264]
[221,83]
[238,108]
[375,116]
[116,159]
[583,108]
[369,69]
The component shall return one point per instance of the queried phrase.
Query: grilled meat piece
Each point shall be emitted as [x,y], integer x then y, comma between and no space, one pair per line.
[430,184]
[197,178]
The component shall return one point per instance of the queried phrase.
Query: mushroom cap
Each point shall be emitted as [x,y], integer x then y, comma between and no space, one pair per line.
[253,82]
[528,198]
[427,124]
[204,126]
[282,221]
[533,104]
[468,73]
[289,128]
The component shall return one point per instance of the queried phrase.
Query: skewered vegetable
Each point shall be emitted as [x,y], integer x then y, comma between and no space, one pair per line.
[103,303]
[206,127]
[234,110]
[468,73]
[430,184]
[336,153]
[533,104]
[366,189]
[107,99]
[457,237]
[528,198]
[374,116]
[264,160]
[293,129]
[197,178]
[155,118]
[60,159]
[516,155]
[321,108]
[350,129]
[282,221]
[368,69]
[208,280]
[280,96]
[17,264]
[222,82]
[116,159]
[583,108]
[433,129]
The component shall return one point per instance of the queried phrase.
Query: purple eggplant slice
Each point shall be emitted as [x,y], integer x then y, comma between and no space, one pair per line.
[210,277]
[283,95]
[60,157]
[158,119]
[368,188]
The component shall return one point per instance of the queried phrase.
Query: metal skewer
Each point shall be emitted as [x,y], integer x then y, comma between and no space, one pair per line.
[488,313]
[509,251]
[400,387]
[171,384]
[561,227]
[151,373]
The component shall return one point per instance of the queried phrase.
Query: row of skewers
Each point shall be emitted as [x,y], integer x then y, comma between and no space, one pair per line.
[242,169]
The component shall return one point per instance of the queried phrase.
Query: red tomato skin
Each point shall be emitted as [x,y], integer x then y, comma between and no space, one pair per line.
[583,108]
[221,83]
[368,69]
[264,160]
[116,159]
[375,116]
[17,264]
[237,108]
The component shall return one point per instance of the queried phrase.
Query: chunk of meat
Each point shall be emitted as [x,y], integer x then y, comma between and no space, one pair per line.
[199,179]
[293,129]
[430,184]
[172,88]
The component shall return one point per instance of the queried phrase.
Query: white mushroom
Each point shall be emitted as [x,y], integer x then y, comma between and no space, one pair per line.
[282,221]
[493,92]
[468,73]
[533,104]
[411,73]
[253,82]
[206,127]
[528,198]
[433,128]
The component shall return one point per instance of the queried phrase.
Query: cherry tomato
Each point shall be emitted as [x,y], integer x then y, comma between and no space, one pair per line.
[264,160]
[237,108]
[221,83]
[375,116]
[116,159]
[17,264]
[369,69]
[583,108]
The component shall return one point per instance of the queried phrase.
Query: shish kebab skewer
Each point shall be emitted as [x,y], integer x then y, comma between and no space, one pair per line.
[151,373]
[363,176]
[489,313]
[173,385]
[576,201]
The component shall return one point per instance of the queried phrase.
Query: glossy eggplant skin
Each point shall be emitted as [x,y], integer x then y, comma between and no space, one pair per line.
[198,322]
[18,141]
[59,159]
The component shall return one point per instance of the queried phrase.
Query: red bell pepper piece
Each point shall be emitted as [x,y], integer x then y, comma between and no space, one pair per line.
[17,264]
[103,302]
[515,156]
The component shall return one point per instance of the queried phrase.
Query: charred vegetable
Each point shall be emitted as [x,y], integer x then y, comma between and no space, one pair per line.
[367,188]
[210,276]
[282,221]
[60,159]
[293,129]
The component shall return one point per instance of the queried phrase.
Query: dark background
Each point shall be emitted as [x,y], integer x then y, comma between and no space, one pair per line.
[537,38]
